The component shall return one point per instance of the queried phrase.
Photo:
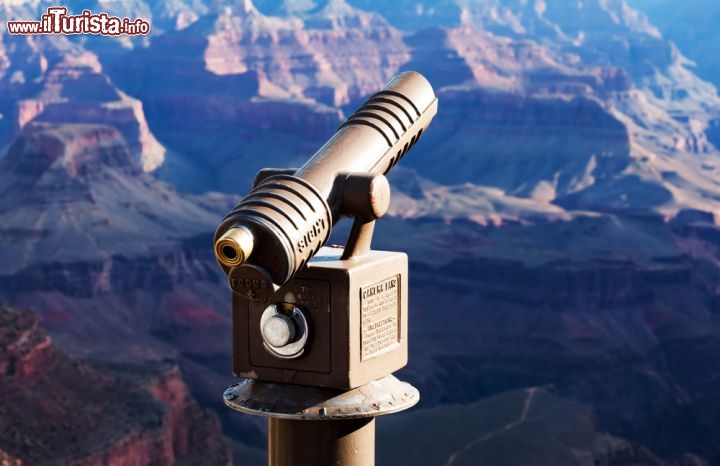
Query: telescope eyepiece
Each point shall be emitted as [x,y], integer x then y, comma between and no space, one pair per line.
[235,246]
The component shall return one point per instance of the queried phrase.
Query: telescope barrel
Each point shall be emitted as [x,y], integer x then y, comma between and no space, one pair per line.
[285,220]
[377,135]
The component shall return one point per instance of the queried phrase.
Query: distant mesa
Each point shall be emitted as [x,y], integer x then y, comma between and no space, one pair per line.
[80,151]
[335,54]
[56,81]
[80,193]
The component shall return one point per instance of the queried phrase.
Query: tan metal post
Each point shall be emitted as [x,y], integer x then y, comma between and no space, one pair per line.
[319,443]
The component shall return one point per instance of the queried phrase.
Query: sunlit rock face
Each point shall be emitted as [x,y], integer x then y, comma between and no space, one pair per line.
[692,28]
[333,55]
[50,79]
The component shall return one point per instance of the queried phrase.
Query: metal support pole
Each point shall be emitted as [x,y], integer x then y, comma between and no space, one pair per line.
[312,426]
[341,442]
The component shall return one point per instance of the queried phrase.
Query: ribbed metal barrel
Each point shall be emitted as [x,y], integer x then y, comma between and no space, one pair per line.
[290,219]
[377,135]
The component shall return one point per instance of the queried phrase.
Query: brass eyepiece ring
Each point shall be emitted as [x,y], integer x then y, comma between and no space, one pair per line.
[234,247]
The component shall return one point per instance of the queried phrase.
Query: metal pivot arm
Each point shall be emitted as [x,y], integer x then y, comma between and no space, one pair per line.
[365,197]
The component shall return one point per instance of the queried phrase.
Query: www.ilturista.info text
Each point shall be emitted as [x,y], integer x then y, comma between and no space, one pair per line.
[57,21]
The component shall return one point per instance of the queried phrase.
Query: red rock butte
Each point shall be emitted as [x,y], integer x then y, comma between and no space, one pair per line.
[57,410]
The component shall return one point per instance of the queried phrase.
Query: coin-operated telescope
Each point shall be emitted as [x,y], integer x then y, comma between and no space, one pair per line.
[309,315]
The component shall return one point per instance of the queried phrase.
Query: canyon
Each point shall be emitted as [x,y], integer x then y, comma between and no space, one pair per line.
[57,410]
[560,213]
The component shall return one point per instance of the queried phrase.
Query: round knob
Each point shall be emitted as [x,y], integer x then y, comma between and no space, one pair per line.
[284,330]
[366,195]
[278,331]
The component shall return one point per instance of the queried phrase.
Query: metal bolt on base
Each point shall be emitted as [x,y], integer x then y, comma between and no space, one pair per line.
[319,426]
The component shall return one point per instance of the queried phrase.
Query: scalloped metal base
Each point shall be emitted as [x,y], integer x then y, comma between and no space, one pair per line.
[284,401]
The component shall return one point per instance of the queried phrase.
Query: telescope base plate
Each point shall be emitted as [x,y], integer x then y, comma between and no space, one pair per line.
[285,401]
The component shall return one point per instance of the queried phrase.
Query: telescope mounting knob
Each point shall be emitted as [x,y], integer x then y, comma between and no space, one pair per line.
[284,330]
[366,198]
[278,331]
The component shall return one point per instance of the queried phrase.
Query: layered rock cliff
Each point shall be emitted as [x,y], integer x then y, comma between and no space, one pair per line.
[50,79]
[68,181]
[116,263]
[56,410]
[692,28]
[333,54]
[644,126]
[270,86]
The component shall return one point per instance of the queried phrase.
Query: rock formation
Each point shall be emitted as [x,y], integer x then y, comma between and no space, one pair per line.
[56,410]
[53,80]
